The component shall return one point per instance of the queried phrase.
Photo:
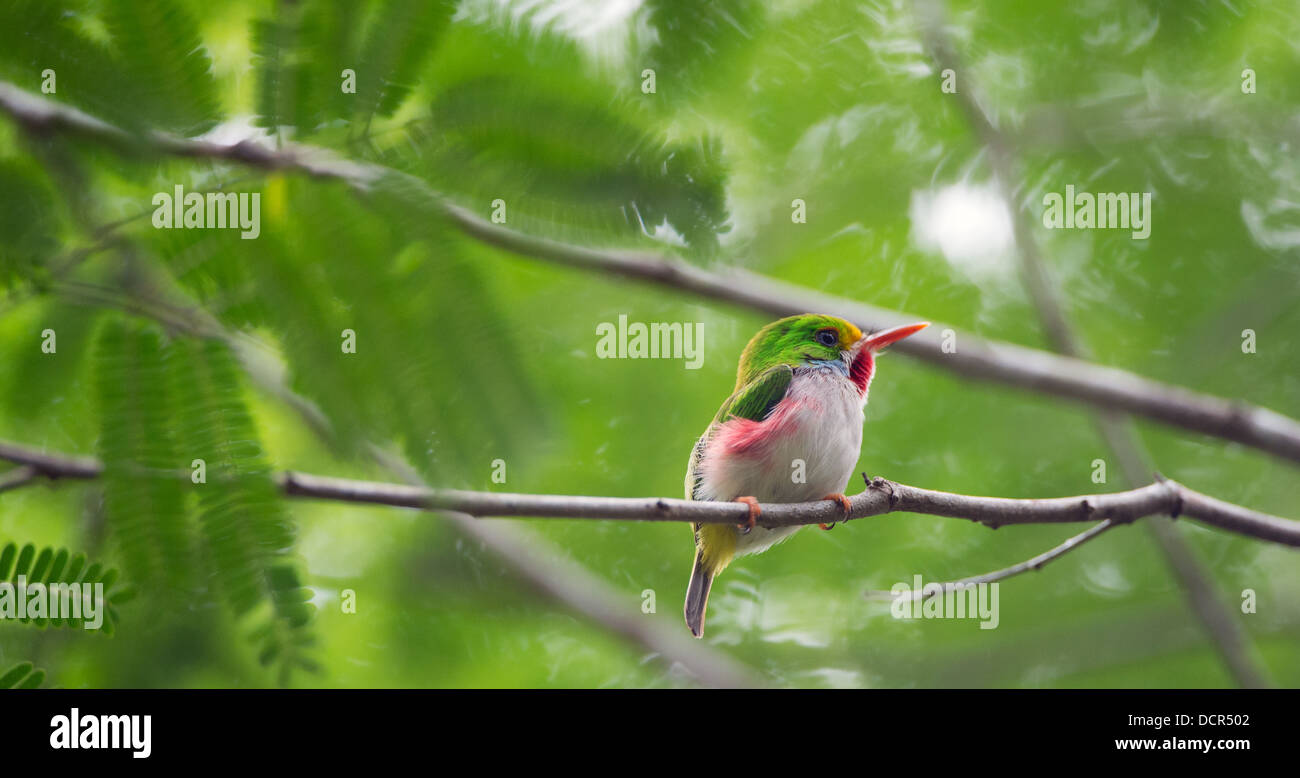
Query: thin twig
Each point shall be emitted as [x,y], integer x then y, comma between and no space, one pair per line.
[1031,564]
[974,357]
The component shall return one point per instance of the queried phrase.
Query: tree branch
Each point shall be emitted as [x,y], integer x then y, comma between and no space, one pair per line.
[18,477]
[882,496]
[52,466]
[975,357]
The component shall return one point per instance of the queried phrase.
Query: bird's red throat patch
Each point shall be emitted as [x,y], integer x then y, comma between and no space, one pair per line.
[860,372]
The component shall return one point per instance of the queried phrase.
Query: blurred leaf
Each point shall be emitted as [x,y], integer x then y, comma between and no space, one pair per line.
[246,531]
[299,57]
[44,35]
[696,41]
[22,676]
[564,158]
[29,224]
[143,502]
[390,271]
[149,69]
[165,62]
[398,41]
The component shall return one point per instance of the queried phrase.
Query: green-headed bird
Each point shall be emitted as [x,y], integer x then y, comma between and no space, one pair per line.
[800,391]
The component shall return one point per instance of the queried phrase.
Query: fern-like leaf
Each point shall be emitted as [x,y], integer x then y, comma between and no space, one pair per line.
[158,44]
[56,569]
[398,41]
[299,58]
[23,675]
[565,156]
[415,304]
[143,502]
[28,227]
[42,35]
[696,41]
[247,533]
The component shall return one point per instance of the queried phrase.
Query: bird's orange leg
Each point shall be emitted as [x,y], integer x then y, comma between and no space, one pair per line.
[844,502]
[754,512]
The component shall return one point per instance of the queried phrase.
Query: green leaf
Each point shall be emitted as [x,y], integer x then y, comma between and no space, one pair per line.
[143,503]
[567,158]
[299,58]
[28,221]
[15,674]
[398,41]
[416,304]
[246,531]
[57,569]
[23,675]
[37,36]
[168,68]
[697,41]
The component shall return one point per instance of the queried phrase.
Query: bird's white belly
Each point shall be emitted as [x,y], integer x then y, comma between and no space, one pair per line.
[808,451]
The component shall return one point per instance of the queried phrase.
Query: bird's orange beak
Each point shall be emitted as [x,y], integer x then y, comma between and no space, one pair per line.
[879,340]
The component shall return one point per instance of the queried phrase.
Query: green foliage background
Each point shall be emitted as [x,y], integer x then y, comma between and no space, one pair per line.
[467,354]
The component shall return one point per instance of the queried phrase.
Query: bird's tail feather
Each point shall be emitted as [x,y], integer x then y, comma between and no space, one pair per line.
[697,595]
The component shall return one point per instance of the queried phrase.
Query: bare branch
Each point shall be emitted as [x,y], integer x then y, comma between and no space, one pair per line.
[18,477]
[52,466]
[1034,563]
[882,496]
[977,358]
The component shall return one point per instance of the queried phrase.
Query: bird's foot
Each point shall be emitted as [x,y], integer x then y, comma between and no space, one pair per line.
[754,512]
[844,503]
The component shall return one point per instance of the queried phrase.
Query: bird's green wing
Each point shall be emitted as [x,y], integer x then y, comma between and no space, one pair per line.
[754,401]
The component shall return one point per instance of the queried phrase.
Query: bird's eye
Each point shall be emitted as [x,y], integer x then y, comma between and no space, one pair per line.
[828,337]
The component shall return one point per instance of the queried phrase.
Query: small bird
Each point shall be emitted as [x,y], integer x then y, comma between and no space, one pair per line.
[790,432]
